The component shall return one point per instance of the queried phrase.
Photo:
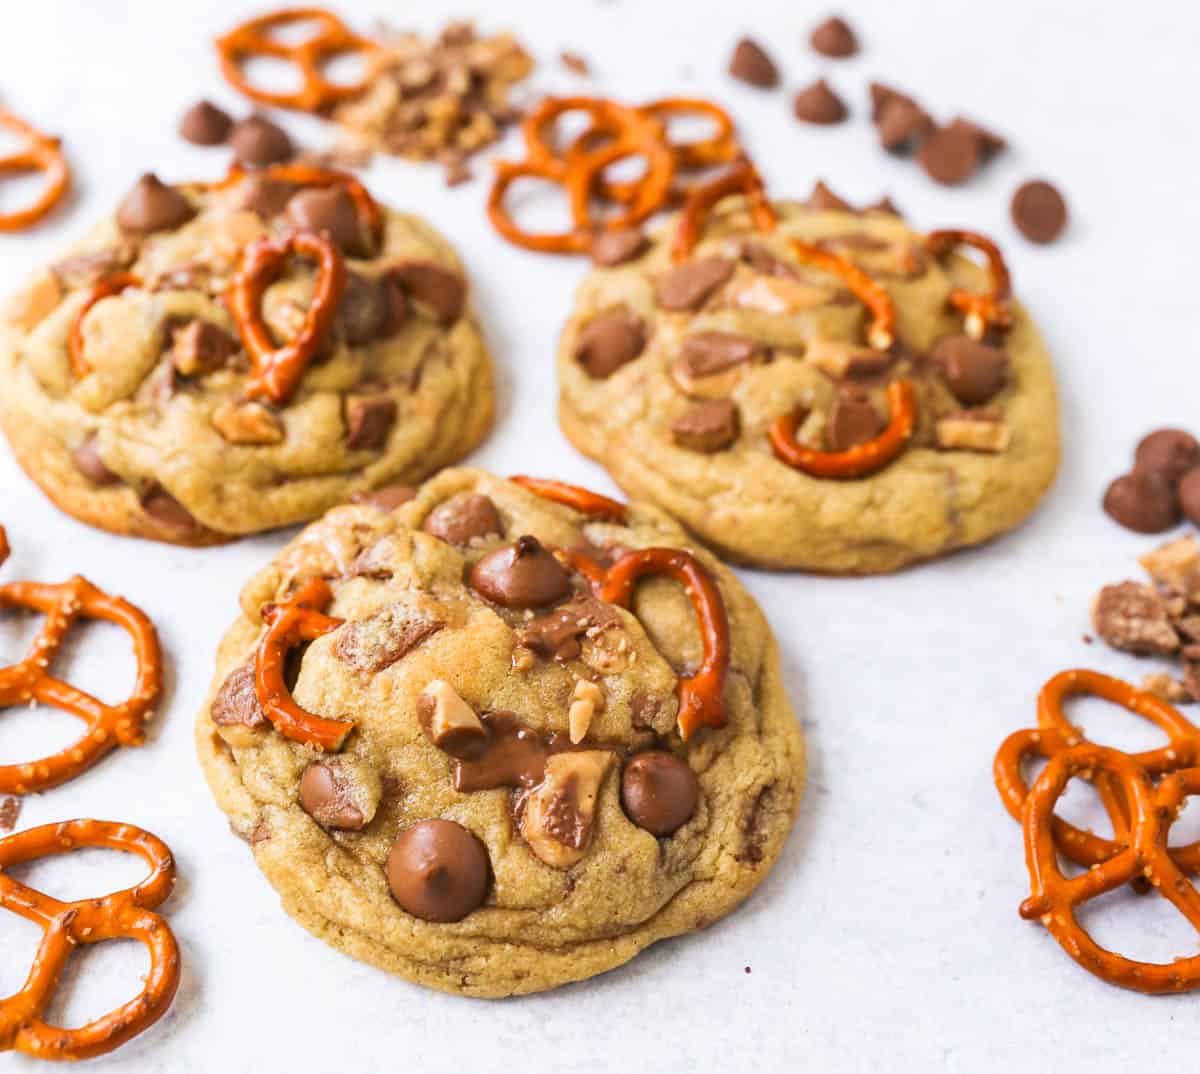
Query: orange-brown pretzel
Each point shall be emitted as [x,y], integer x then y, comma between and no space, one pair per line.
[41,153]
[742,178]
[992,309]
[4,549]
[581,499]
[112,284]
[860,460]
[277,370]
[123,915]
[701,700]
[1055,898]
[298,619]
[333,38]
[719,148]
[881,333]
[108,726]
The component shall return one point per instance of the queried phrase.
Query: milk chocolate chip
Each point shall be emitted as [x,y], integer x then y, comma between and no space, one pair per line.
[707,427]
[750,63]
[438,871]
[1170,453]
[205,124]
[852,421]
[329,210]
[659,791]
[262,195]
[153,206]
[462,519]
[325,797]
[521,575]
[834,38]
[439,290]
[370,309]
[88,462]
[1189,496]
[161,506]
[1142,501]
[819,104]
[616,247]
[951,155]
[973,371]
[237,702]
[369,419]
[387,498]
[901,123]
[1039,211]
[688,286]
[822,199]
[257,142]
[609,341]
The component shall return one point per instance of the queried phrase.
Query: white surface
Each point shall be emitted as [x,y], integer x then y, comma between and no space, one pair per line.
[887,937]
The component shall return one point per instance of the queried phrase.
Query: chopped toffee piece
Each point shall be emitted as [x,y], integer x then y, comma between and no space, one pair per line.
[1133,617]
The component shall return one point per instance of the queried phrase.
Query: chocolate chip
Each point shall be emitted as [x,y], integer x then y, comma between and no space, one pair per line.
[379,640]
[324,796]
[200,347]
[852,421]
[153,206]
[257,142]
[609,341]
[950,155]
[880,95]
[751,64]
[387,498]
[370,309]
[1142,501]
[707,427]
[819,104]
[834,38]
[369,419]
[262,195]
[990,143]
[236,702]
[1133,617]
[440,291]
[1170,453]
[1039,211]
[901,124]
[822,199]
[521,575]
[205,124]
[329,210]
[437,870]
[706,353]
[618,246]
[689,285]
[555,636]
[761,260]
[1188,491]
[88,462]
[462,519]
[659,791]
[973,371]
[161,506]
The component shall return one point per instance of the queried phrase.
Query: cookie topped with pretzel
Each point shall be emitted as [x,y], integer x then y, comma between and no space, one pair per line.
[807,386]
[453,730]
[222,358]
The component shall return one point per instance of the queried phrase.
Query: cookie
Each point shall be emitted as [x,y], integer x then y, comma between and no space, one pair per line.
[673,375]
[129,395]
[513,804]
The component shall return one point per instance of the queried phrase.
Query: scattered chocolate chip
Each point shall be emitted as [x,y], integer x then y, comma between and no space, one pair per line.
[575,63]
[10,810]
[262,195]
[853,420]
[659,791]
[200,347]
[325,797]
[88,462]
[973,371]
[521,575]
[834,38]
[437,870]
[1133,617]
[688,286]
[990,143]
[819,104]
[440,291]
[1039,211]
[205,124]
[257,142]
[463,518]
[618,246]
[556,635]
[153,206]
[236,702]
[609,341]
[1142,501]
[950,155]
[379,640]
[387,498]
[1170,453]
[1189,495]
[751,64]
[369,419]
[822,199]
[880,95]
[704,354]
[707,427]
[371,308]
[901,124]
[161,506]
[329,210]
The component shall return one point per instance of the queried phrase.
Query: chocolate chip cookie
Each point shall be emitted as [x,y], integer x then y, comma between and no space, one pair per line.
[141,376]
[835,393]
[487,741]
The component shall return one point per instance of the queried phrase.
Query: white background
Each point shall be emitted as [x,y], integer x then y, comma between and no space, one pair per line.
[887,937]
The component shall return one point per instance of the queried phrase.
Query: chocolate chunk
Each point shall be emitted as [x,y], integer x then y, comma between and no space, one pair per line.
[521,575]
[1142,501]
[688,286]
[262,195]
[1170,453]
[761,260]
[10,810]
[513,756]
[707,427]
[1039,211]
[236,703]
[901,124]
[370,309]
[369,419]
[325,797]
[329,210]
[556,635]
[437,870]
[822,199]
[834,38]
[153,206]
[205,124]
[609,341]
[1188,491]
[659,791]
[161,506]
[440,291]
[200,347]
[751,64]
[82,270]
[973,371]
[379,640]
[88,462]
[1133,617]
[950,155]
[462,519]
[819,104]
[387,498]
[704,354]
[853,420]
[616,247]
[257,142]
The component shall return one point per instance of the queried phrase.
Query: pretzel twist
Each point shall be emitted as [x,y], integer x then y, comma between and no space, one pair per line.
[108,726]
[990,309]
[583,500]
[112,284]
[881,333]
[41,153]
[277,370]
[742,178]
[333,38]
[701,695]
[296,620]
[123,914]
